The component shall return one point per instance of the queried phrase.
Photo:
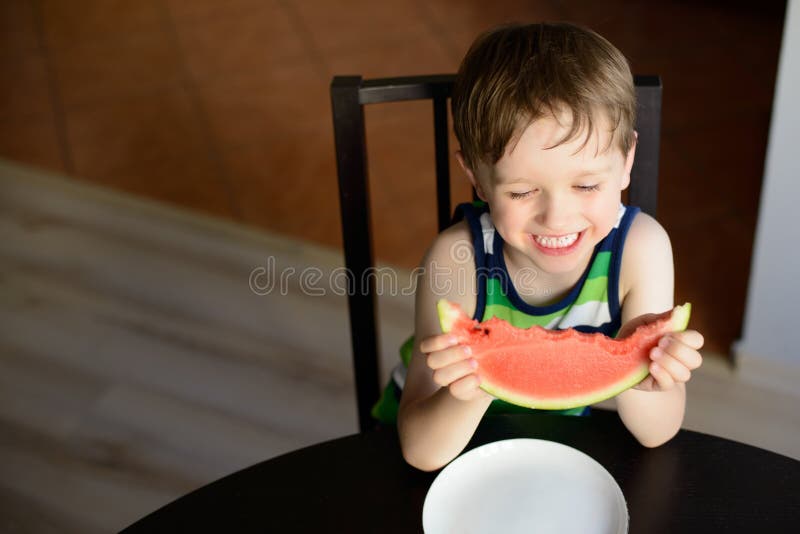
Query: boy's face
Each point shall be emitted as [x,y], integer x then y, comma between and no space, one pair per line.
[552,206]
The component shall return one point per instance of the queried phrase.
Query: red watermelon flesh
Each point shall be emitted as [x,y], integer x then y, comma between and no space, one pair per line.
[557,369]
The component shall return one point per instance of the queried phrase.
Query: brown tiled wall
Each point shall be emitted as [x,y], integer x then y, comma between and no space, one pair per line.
[223,107]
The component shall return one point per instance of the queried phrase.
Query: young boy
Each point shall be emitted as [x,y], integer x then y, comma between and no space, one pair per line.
[544,116]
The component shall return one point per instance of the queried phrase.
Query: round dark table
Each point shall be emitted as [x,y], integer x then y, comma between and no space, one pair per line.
[360,483]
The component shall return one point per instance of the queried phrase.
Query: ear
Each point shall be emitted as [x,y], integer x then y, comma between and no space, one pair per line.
[471,175]
[626,181]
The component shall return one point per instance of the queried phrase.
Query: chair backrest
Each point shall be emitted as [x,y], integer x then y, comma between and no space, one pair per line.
[349,95]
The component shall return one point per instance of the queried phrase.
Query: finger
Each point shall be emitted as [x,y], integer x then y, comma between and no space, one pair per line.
[677,371]
[447,375]
[448,356]
[440,342]
[662,377]
[647,384]
[692,338]
[685,354]
[466,388]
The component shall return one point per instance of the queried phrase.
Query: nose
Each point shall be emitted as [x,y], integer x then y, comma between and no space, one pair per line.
[554,212]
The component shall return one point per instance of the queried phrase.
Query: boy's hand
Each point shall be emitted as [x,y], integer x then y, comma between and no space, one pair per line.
[672,360]
[452,366]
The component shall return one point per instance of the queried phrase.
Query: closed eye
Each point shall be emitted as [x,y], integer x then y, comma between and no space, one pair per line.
[588,188]
[517,196]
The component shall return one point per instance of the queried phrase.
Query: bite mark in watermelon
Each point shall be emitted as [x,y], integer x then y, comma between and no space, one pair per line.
[557,369]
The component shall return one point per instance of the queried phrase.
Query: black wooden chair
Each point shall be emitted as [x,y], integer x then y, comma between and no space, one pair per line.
[349,95]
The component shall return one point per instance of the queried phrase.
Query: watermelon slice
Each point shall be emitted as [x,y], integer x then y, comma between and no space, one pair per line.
[556,369]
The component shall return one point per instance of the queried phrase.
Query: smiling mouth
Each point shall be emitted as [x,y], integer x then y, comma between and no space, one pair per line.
[557,242]
[558,245]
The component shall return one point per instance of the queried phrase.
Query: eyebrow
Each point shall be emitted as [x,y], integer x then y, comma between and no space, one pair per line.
[592,172]
[502,181]
[583,174]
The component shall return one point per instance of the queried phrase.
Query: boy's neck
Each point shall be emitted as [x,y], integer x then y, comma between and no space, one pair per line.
[545,288]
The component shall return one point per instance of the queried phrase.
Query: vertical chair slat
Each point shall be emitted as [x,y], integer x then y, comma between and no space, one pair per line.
[643,191]
[351,164]
[442,161]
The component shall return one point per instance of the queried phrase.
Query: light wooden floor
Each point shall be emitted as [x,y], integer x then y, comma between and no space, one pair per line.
[137,362]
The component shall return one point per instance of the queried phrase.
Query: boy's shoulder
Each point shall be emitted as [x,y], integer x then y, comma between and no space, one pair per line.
[449,269]
[645,237]
[647,266]
[452,246]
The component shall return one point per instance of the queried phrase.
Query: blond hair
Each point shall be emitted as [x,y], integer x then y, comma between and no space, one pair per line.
[515,74]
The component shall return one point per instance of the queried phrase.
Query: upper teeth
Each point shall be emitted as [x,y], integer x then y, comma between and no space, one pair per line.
[556,242]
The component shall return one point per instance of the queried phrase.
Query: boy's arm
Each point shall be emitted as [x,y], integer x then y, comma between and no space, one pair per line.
[435,423]
[653,412]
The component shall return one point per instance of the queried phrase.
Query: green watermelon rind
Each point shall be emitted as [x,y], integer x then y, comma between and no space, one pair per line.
[566,403]
[449,313]
[680,317]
